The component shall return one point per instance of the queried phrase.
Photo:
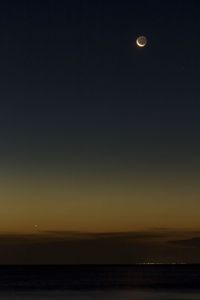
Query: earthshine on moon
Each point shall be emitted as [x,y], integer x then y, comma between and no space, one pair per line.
[141,41]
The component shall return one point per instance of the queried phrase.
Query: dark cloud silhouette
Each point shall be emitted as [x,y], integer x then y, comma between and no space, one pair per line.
[68,247]
[193,242]
[106,235]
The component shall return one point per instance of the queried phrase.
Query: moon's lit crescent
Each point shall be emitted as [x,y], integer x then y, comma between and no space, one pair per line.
[141,41]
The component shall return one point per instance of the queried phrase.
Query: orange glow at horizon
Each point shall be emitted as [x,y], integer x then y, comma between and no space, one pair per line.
[98,204]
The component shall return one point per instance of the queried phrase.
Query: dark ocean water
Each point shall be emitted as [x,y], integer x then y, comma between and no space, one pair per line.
[136,282]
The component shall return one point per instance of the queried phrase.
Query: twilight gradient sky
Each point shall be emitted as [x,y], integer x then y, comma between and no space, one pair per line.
[97,135]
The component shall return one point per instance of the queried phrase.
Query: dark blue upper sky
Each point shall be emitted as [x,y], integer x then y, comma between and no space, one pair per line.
[74,84]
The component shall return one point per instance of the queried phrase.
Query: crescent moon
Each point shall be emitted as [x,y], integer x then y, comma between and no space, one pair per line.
[140,45]
[142,39]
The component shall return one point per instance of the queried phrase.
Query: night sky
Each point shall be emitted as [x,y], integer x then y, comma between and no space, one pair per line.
[99,139]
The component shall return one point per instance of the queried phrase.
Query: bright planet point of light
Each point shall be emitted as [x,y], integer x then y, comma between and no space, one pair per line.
[141,41]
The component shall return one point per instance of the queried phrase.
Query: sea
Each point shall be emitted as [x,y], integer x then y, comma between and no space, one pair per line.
[100,282]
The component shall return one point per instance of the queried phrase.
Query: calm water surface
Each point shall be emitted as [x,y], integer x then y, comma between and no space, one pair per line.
[103,295]
[100,282]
